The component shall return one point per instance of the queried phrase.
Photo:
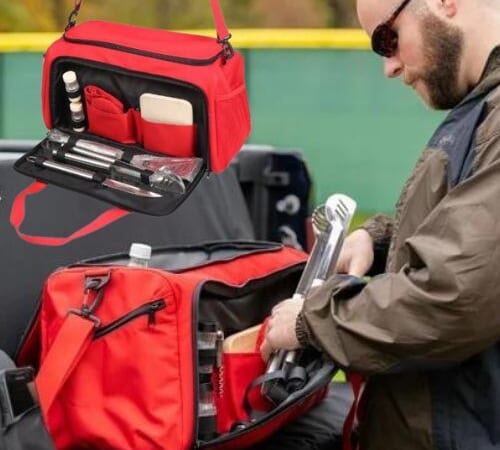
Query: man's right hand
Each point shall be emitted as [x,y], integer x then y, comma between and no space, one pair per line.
[356,255]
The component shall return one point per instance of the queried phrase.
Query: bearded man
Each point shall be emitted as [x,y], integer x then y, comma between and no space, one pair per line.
[426,331]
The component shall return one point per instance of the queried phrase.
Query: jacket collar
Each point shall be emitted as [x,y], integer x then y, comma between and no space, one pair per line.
[490,76]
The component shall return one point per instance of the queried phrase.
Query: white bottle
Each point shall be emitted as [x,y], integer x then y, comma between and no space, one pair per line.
[72,87]
[139,255]
[77,116]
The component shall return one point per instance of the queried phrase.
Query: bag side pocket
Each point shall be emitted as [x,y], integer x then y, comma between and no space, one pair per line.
[232,126]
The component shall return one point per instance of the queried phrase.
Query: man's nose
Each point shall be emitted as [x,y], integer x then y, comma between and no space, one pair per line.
[392,67]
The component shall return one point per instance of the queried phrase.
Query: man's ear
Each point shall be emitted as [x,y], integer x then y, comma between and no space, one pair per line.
[449,8]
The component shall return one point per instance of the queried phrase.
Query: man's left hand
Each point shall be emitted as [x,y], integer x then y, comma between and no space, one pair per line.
[281,328]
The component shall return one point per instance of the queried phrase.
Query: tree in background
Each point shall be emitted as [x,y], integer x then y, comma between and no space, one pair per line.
[51,15]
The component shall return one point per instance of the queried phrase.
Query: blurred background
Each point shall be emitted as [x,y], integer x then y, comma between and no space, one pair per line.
[313,83]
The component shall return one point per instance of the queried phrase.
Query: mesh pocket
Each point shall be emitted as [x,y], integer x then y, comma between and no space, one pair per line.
[232,126]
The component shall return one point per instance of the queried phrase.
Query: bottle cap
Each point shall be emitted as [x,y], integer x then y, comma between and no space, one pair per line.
[75,107]
[69,77]
[142,251]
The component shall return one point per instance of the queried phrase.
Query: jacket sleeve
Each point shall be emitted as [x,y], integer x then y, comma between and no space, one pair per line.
[441,307]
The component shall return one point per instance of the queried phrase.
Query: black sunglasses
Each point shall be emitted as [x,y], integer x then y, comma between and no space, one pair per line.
[385,38]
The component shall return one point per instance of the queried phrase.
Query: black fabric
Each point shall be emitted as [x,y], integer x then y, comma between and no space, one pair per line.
[318,429]
[29,433]
[277,187]
[215,211]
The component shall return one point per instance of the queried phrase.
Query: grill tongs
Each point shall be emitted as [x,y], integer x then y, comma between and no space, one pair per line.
[330,223]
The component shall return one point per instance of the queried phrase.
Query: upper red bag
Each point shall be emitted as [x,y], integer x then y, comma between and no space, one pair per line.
[206,64]
[119,67]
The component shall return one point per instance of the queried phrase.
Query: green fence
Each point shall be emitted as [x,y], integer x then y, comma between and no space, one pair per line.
[360,132]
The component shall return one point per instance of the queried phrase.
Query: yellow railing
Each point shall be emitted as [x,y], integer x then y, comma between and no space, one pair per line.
[346,39]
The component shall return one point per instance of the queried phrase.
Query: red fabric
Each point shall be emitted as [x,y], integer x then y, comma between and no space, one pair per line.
[18,212]
[240,369]
[172,140]
[106,117]
[72,341]
[134,387]
[357,383]
[222,81]
[222,32]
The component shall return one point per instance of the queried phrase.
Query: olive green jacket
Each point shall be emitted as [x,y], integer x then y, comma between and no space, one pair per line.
[434,310]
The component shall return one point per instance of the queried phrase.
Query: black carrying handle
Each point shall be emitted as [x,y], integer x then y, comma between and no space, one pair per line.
[223,34]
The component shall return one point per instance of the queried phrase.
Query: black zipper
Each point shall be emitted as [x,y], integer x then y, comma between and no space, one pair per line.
[136,51]
[148,309]
[249,248]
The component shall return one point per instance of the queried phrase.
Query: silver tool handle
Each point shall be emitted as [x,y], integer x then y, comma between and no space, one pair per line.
[65,168]
[339,210]
[60,137]
[118,172]
[79,159]
[91,154]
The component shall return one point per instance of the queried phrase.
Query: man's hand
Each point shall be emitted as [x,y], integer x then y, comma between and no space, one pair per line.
[356,255]
[280,332]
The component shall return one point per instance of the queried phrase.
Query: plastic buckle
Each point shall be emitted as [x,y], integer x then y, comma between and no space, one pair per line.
[93,283]
[227,48]
[85,315]
[73,15]
[96,282]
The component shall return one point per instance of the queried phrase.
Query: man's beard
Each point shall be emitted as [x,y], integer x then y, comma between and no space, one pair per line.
[443,47]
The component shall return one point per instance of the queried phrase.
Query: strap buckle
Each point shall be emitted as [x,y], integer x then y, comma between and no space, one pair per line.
[227,48]
[73,15]
[92,284]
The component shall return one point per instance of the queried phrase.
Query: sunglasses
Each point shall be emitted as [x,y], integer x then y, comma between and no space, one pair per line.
[385,38]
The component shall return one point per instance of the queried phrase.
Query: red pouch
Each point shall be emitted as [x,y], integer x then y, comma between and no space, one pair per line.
[106,117]
[234,398]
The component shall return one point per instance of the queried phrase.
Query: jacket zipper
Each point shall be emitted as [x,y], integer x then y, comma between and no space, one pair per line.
[135,51]
[148,309]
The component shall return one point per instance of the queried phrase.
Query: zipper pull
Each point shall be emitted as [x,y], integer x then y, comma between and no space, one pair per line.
[153,307]
[219,342]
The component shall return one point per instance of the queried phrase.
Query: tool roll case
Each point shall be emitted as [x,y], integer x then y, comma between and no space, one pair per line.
[172,106]
[135,358]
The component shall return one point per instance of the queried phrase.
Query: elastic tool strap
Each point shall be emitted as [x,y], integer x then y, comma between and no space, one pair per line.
[70,344]
[358,384]
[275,390]
[18,212]
[278,385]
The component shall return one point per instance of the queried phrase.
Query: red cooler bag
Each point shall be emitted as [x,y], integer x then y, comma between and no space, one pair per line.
[169,106]
[120,362]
